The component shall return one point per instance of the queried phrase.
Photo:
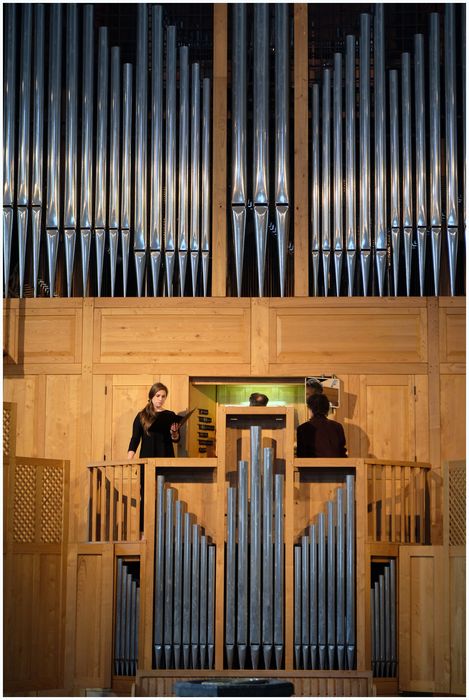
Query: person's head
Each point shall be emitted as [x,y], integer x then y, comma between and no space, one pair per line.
[257,399]
[313,386]
[318,404]
[157,395]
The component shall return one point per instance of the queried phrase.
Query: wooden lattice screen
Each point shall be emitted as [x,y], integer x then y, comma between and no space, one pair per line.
[455,488]
[9,430]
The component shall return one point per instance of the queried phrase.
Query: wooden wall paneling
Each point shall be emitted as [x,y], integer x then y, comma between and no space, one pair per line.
[347,336]
[219,153]
[10,331]
[453,416]
[452,335]
[260,332]
[388,417]
[28,393]
[422,437]
[93,616]
[61,412]
[101,423]
[349,414]
[424,658]
[457,619]
[433,373]
[126,396]
[79,477]
[300,107]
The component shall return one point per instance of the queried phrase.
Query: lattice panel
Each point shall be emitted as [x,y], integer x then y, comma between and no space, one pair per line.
[51,505]
[24,510]
[7,437]
[457,506]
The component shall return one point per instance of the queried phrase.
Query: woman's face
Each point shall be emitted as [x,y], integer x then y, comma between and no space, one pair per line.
[158,399]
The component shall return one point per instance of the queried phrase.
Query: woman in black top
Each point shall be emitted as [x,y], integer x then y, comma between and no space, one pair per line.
[155,427]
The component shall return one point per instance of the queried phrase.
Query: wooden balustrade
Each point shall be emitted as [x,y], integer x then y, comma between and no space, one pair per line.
[397,495]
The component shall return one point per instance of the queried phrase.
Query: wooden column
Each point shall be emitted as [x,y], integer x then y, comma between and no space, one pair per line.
[300,218]
[220,80]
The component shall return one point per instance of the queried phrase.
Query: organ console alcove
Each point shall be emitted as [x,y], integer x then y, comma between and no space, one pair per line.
[173,217]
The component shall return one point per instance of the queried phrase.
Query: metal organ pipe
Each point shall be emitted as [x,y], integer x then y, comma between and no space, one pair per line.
[350,191]
[394,171]
[71,144]
[364,122]
[100,219]
[126,171]
[205,242]
[407,211]
[9,107]
[170,213]
[37,144]
[195,175]
[380,147]
[261,137]
[156,187]
[183,215]
[86,201]
[435,137]
[238,89]
[326,177]
[53,140]
[420,161]
[338,241]
[282,152]
[140,200]
[22,194]
[451,147]
[114,169]
[315,210]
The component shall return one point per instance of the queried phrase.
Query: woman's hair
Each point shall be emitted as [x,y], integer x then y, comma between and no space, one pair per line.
[319,404]
[148,414]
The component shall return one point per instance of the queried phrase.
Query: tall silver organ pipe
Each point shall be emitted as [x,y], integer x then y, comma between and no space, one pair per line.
[140,213]
[53,141]
[170,213]
[261,137]
[420,160]
[364,122]
[183,165]
[338,240]
[326,177]
[205,234]
[71,144]
[435,145]
[126,170]
[350,191]
[315,186]
[407,211]
[394,172]
[195,174]
[86,201]
[37,145]
[22,195]
[100,221]
[238,91]
[255,548]
[282,135]
[451,145]
[380,147]
[156,201]
[9,109]
[114,169]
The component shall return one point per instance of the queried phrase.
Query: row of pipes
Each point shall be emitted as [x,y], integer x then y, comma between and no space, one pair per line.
[104,198]
[324,585]
[254,588]
[184,598]
[384,623]
[80,206]
[126,620]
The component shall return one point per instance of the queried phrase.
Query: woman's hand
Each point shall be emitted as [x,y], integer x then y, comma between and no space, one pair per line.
[174,431]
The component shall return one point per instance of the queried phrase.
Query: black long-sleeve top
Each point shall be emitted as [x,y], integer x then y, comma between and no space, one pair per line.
[158,442]
[320,437]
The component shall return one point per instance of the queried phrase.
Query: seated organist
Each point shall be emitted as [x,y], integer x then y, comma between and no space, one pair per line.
[320,436]
[257,399]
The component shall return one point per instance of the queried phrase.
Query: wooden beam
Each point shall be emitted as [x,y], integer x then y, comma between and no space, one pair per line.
[220,81]
[300,218]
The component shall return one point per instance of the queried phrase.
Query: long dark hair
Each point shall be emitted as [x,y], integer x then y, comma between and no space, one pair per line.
[148,413]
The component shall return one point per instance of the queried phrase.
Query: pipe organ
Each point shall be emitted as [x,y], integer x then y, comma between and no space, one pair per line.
[110,194]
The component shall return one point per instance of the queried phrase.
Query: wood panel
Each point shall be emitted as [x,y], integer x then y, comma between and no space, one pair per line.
[424,662]
[452,417]
[303,334]
[177,335]
[452,333]
[457,619]
[93,616]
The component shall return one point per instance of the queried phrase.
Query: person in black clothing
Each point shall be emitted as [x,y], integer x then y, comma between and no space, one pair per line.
[155,427]
[320,437]
[257,399]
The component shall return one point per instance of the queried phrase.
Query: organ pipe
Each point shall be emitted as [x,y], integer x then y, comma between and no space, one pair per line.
[183,211]
[170,181]
[9,108]
[126,170]
[205,234]
[451,145]
[407,211]
[315,186]
[22,195]
[380,146]
[420,160]
[238,91]
[338,237]
[394,172]
[350,155]
[364,122]
[140,202]
[326,153]
[435,137]
[71,150]
[86,144]
[282,156]
[156,171]
[195,174]
[100,220]
[114,169]
[37,143]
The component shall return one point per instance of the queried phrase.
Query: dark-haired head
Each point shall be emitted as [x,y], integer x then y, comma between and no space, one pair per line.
[257,399]
[318,404]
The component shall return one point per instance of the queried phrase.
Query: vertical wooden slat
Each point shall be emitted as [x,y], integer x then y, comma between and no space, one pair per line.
[103,504]
[120,507]
[219,155]
[393,504]
[403,508]
[300,28]
[138,497]
[373,501]
[111,505]
[411,504]
[94,503]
